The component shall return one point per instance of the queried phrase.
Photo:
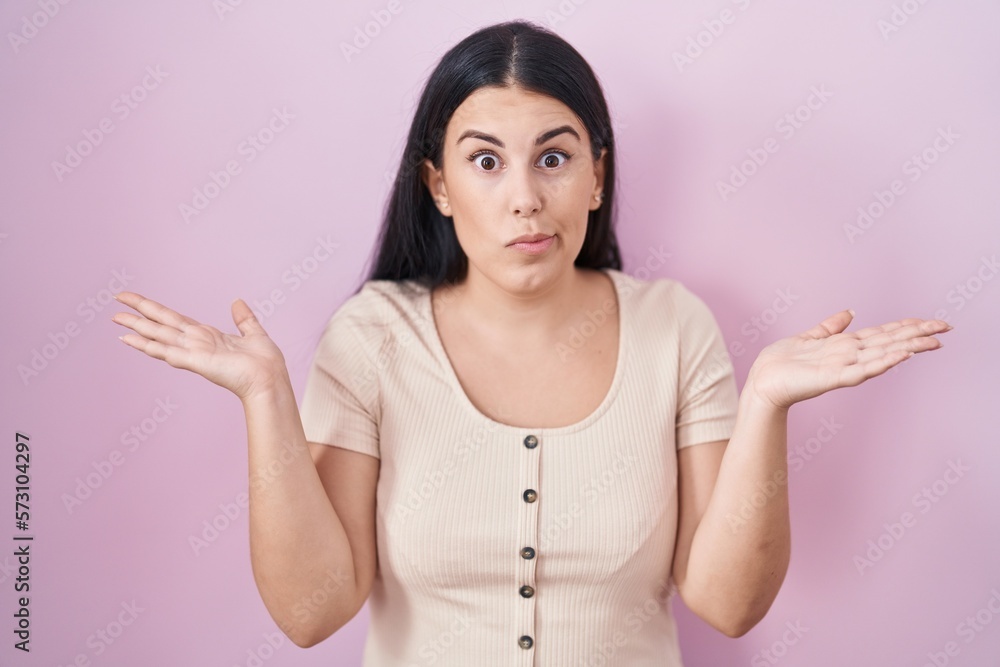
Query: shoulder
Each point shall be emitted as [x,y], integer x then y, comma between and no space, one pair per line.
[660,297]
[365,319]
[377,304]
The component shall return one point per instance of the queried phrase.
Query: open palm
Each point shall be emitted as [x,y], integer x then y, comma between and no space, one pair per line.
[244,364]
[825,357]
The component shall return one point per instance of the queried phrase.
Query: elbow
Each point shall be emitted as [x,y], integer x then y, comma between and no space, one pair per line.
[733,625]
[745,618]
[306,635]
[735,610]
[303,637]
[730,617]
[737,627]
[308,642]
[309,637]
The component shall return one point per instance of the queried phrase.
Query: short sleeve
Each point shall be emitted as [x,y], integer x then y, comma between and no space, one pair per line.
[340,403]
[707,397]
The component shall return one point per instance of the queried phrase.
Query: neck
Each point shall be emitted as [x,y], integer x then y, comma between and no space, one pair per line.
[536,309]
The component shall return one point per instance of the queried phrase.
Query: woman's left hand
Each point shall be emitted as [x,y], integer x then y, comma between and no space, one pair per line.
[825,357]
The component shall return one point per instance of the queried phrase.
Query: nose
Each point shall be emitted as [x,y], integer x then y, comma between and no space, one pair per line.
[525,197]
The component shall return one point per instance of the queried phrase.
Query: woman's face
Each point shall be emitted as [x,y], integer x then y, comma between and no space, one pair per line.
[517,162]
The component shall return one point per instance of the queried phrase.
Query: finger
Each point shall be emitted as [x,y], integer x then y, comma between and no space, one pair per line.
[155,311]
[244,318]
[831,325]
[867,332]
[916,328]
[168,353]
[855,374]
[148,328]
[914,345]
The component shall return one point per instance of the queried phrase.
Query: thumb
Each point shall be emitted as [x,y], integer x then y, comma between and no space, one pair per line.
[834,324]
[244,318]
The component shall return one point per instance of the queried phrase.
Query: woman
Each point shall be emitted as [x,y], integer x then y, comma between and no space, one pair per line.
[500,423]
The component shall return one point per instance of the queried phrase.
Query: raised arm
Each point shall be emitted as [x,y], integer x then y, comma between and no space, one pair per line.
[734,542]
[300,548]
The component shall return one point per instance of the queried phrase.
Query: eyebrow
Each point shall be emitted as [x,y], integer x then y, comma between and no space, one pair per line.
[541,139]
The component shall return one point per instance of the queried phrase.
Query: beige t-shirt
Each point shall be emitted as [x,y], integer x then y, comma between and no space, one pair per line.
[501,545]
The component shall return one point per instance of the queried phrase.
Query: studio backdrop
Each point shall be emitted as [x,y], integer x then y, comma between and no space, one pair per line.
[783,160]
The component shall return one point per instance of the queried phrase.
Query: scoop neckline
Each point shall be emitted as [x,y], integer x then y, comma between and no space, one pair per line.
[469,406]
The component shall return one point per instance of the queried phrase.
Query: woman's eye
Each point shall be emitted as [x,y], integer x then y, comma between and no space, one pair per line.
[552,159]
[488,162]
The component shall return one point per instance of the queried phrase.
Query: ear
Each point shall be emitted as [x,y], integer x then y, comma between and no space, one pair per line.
[434,180]
[599,165]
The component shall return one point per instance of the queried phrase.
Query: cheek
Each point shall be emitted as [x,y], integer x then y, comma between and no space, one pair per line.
[570,200]
[473,232]
[571,191]
[471,195]
[474,213]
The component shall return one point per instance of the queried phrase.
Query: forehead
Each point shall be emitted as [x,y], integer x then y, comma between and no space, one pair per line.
[511,112]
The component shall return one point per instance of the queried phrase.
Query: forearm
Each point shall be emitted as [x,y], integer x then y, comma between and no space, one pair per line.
[741,548]
[298,545]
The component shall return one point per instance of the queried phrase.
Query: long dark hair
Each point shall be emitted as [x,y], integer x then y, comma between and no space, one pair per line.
[415,240]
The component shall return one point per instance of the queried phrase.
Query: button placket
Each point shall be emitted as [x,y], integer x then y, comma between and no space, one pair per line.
[527,554]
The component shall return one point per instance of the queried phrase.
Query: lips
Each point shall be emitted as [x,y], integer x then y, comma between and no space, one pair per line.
[539,247]
[530,238]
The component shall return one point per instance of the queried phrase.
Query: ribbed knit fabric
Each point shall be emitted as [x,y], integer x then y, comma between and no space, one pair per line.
[470,510]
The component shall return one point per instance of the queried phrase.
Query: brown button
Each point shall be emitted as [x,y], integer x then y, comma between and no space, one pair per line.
[530,442]
[525,641]
[527,553]
[527,591]
[530,495]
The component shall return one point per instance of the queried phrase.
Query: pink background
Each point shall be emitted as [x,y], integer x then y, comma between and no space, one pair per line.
[680,130]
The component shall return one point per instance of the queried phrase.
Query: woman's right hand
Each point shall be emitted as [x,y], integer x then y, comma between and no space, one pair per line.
[246,365]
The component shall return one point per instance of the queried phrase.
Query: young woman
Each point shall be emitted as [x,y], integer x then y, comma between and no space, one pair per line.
[515,451]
